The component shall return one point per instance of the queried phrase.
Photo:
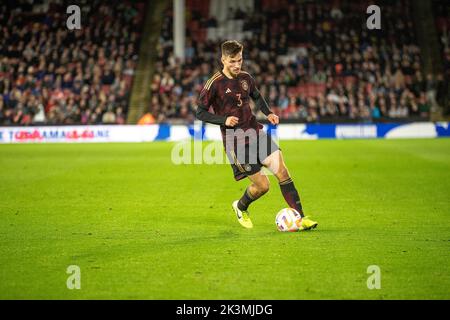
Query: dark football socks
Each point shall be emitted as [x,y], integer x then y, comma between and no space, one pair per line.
[291,196]
[245,200]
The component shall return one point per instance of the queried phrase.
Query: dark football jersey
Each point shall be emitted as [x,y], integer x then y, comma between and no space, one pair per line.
[231,97]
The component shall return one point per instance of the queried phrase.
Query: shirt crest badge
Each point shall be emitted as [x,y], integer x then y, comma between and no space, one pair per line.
[244,85]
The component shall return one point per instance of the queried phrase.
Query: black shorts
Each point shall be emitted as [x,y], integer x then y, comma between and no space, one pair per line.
[246,158]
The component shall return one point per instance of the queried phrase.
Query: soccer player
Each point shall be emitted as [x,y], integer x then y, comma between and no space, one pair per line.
[248,147]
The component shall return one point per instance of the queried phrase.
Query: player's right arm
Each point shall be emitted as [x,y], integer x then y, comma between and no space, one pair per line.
[204,102]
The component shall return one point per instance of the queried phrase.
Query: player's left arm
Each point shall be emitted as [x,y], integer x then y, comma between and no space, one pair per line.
[261,103]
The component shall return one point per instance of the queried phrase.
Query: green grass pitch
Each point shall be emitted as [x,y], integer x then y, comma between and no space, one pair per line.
[140,227]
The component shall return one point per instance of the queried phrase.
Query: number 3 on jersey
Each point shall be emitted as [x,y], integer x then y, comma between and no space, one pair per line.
[239,98]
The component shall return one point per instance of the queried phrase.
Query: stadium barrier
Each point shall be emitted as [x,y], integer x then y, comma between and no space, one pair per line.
[165,132]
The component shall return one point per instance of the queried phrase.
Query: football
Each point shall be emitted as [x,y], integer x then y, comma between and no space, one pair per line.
[288,219]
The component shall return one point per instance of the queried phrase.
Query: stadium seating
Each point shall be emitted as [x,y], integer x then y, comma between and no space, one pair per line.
[302,52]
[52,75]
[313,61]
[442,19]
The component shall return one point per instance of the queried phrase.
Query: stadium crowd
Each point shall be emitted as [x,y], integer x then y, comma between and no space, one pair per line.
[442,15]
[52,75]
[312,62]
